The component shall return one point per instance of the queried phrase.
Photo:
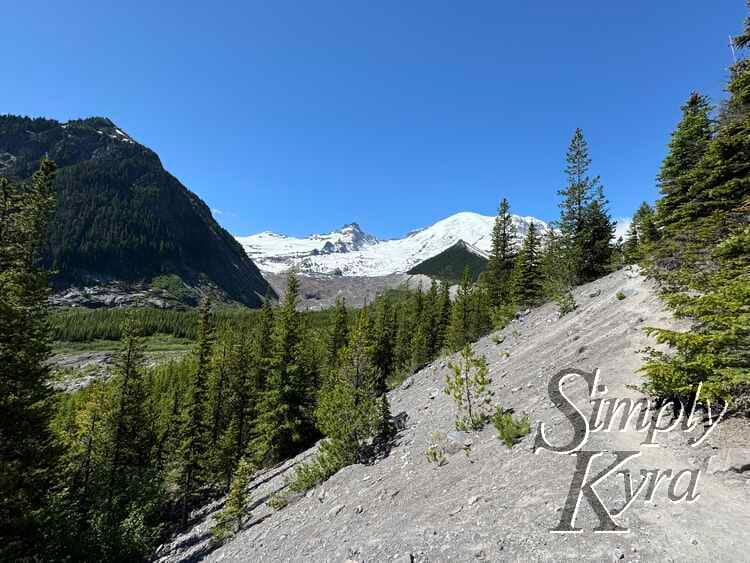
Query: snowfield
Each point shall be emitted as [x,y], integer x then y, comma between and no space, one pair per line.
[355,253]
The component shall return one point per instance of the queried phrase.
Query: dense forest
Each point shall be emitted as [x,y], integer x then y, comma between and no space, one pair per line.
[109,471]
[119,215]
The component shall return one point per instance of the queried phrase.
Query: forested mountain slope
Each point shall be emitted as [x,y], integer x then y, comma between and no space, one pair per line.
[492,503]
[120,215]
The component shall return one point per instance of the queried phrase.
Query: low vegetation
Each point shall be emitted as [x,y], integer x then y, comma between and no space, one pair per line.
[510,430]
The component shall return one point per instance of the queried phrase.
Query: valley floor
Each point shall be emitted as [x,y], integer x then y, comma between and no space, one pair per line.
[496,503]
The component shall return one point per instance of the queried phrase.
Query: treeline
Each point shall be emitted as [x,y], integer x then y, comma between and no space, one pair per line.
[696,242]
[86,325]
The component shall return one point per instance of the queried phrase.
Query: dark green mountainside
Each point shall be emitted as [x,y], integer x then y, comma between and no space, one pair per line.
[449,265]
[120,216]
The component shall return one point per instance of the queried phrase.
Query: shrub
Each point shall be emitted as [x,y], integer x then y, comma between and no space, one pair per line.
[278,501]
[566,303]
[620,295]
[510,429]
[435,452]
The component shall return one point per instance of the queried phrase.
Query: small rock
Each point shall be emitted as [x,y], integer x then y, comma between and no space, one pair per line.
[473,500]
[456,441]
[456,510]
[730,459]
[335,510]
[595,293]
[359,509]
[407,383]
[618,554]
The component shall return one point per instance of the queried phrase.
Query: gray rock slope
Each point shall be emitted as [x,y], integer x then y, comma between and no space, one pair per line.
[320,291]
[496,503]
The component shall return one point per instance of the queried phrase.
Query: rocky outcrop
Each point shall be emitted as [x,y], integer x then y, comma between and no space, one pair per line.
[490,503]
[320,291]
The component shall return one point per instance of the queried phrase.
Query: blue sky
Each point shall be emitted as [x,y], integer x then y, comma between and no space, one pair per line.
[300,116]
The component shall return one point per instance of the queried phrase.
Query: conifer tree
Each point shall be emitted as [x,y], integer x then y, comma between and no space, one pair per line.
[383,342]
[467,385]
[641,234]
[231,518]
[502,256]
[527,275]
[26,451]
[339,332]
[705,261]
[282,426]
[687,146]
[349,410]
[576,198]
[132,436]
[195,436]
[239,406]
[443,316]
[459,330]
[585,224]
[599,229]
[432,320]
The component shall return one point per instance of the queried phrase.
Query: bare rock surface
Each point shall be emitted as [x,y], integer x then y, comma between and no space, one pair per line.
[320,291]
[76,370]
[491,503]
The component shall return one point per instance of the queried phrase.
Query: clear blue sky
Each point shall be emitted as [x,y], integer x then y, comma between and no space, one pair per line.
[301,116]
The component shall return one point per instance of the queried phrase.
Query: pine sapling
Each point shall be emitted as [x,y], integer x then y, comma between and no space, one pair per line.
[468,385]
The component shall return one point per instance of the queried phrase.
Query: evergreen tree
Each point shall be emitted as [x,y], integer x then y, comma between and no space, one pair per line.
[132,497]
[282,426]
[26,452]
[585,223]
[556,272]
[383,342]
[432,320]
[686,149]
[443,317]
[502,256]
[238,406]
[598,232]
[576,198]
[527,275]
[459,330]
[641,234]
[195,434]
[467,385]
[229,521]
[347,412]
[704,262]
[339,332]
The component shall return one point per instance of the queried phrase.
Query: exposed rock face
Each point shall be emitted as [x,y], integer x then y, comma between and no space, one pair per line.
[496,503]
[321,291]
[114,295]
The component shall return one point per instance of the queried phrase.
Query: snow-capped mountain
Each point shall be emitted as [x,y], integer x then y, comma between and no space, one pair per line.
[352,252]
